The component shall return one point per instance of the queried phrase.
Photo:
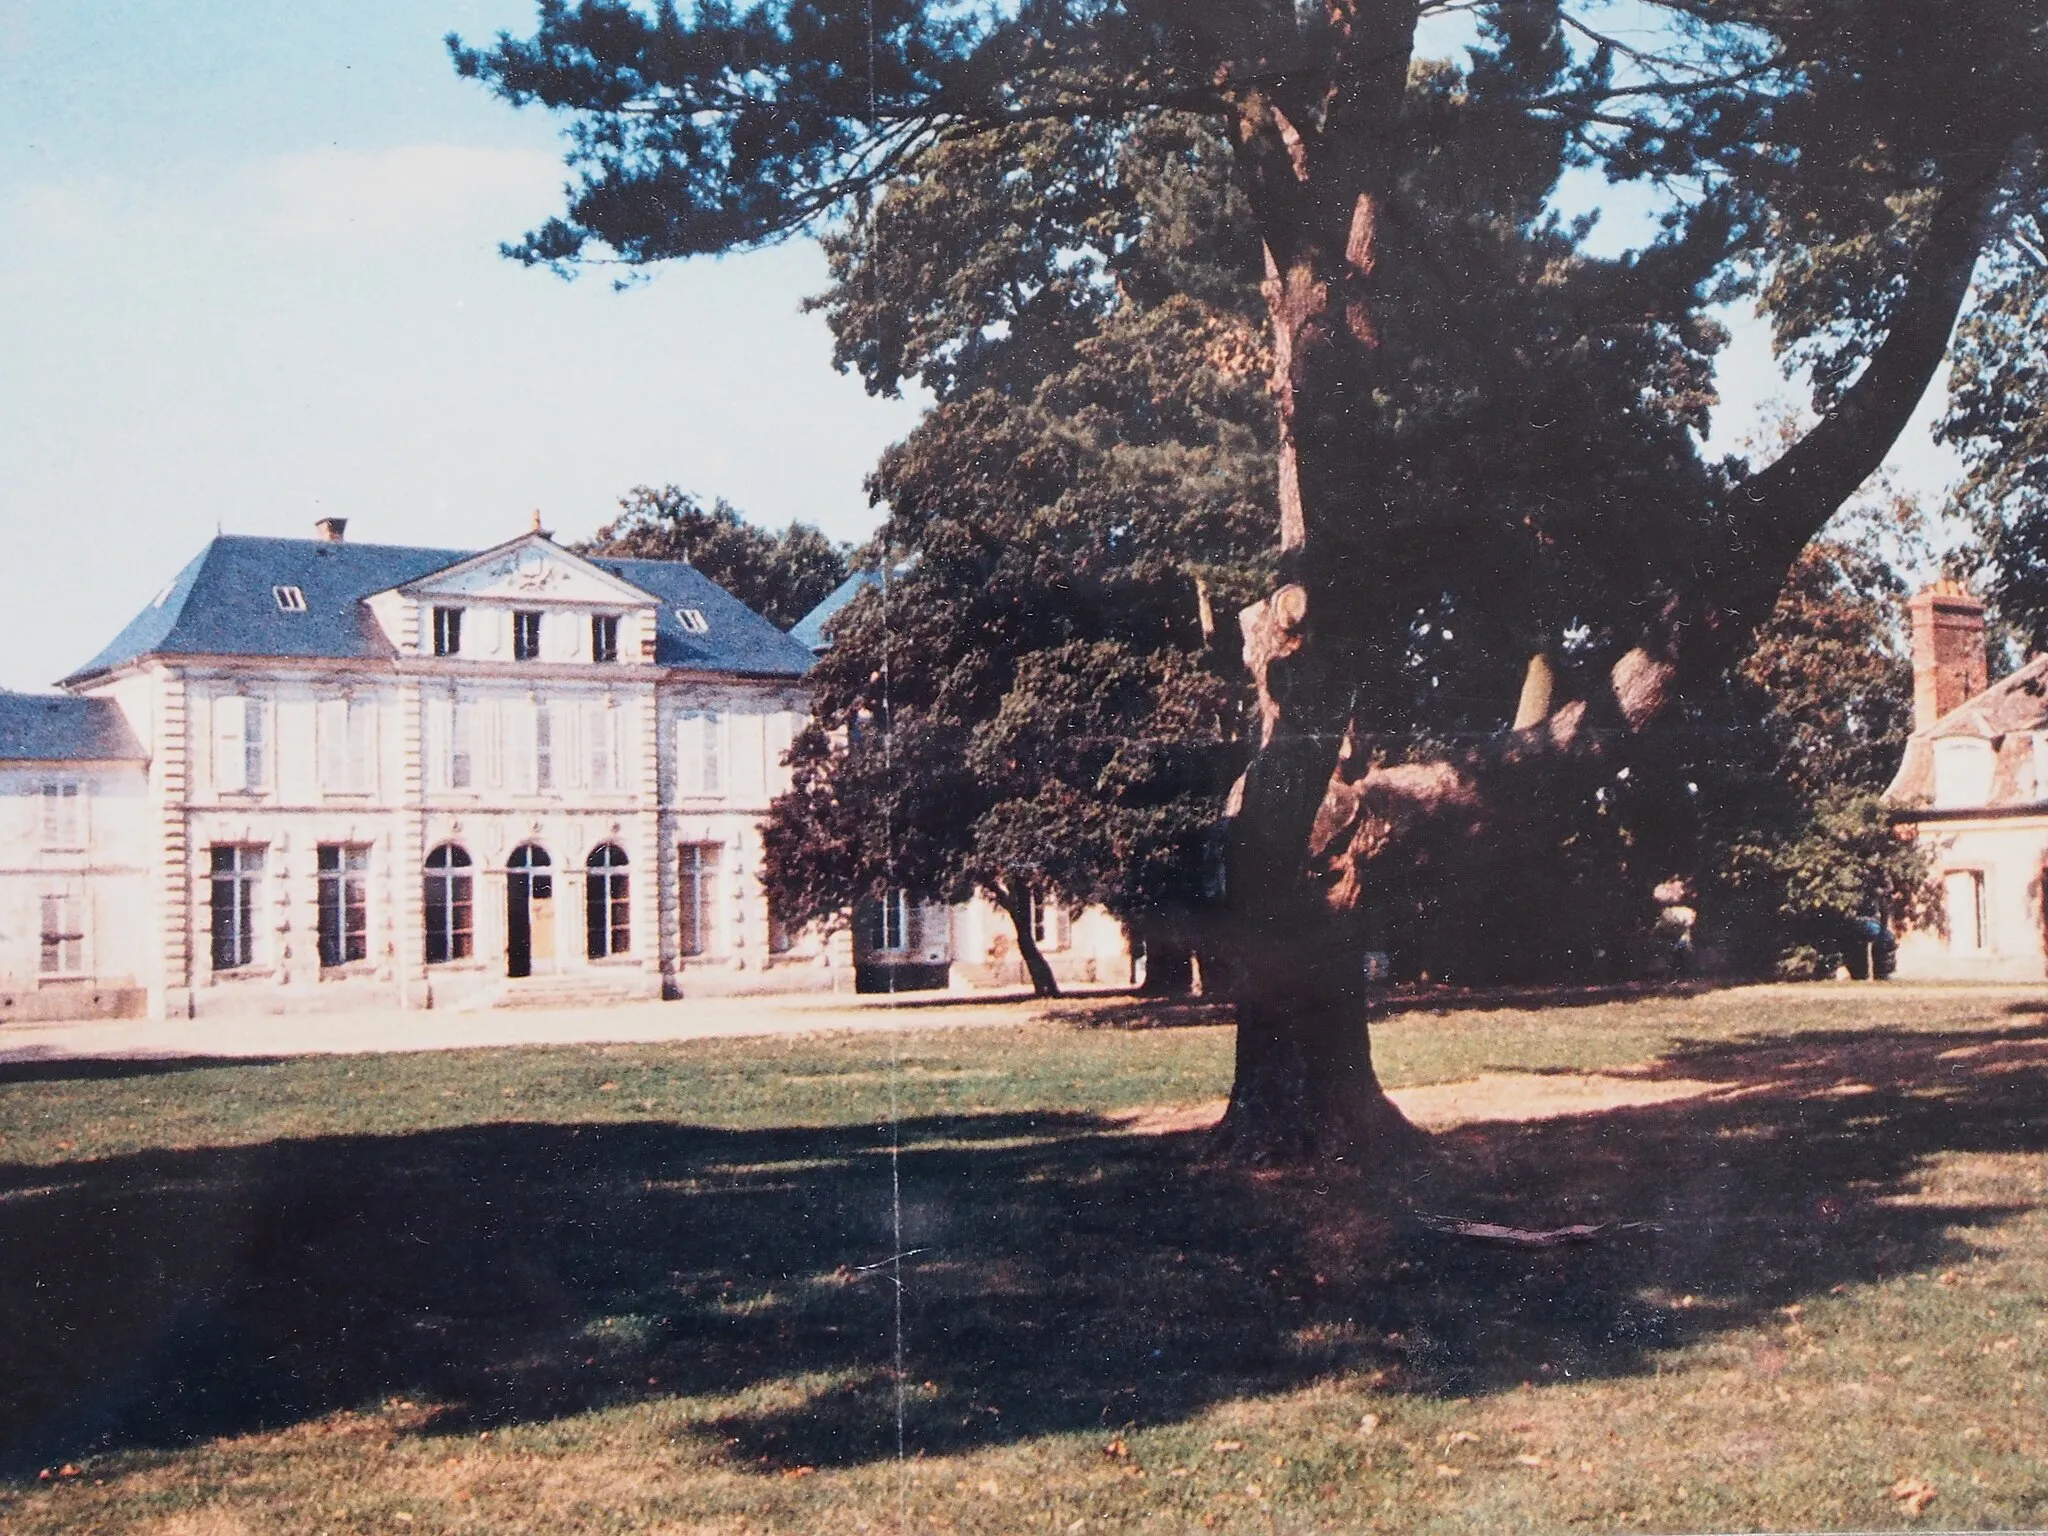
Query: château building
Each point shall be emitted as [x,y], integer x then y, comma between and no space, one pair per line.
[315,773]
[1972,790]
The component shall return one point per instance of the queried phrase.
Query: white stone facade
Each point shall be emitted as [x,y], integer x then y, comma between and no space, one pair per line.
[561,798]
[1972,790]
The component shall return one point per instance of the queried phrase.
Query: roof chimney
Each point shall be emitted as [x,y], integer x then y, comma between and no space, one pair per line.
[1949,666]
[330,529]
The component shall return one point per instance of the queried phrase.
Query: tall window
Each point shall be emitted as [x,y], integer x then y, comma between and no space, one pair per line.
[237,875]
[63,952]
[238,742]
[1048,923]
[605,908]
[700,752]
[62,824]
[893,922]
[447,631]
[344,903]
[1963,890]
[461,744]
[525,636]
[601,746]
[450,904]
[348,752]
[604,637]
[697,896]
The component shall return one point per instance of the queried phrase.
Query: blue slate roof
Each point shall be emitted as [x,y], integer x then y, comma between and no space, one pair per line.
[738,640]
[57,728]
[809,631]
[221,605]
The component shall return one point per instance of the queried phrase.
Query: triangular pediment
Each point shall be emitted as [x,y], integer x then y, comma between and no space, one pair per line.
[531,568]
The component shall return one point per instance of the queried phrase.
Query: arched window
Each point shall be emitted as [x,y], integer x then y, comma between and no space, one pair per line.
[450,904]
[605,912]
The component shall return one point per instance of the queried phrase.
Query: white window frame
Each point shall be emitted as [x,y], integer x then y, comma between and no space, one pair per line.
[701,771]
[1964,768]
[1051,928]
[62,934]
[61,821]
[347,730]
[240,756]
[1970,886]
[601,766]
[700,870]
[289,599]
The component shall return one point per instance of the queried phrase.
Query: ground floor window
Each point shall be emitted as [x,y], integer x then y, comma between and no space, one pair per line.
[606,911]
[237,873]
[344,903]
[697,896]
[1049,929]
[63,952]
[450,905]
[1963,890]
[887,924]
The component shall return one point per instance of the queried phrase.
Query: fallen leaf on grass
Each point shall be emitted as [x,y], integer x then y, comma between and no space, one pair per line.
[1914,1494]
[1528,1461]
[1446,1471]
[1227,1445]
[992,1488]
[1462,1437]
[1369,1423]
[799,1471]
[1116,1450]
[607,1087]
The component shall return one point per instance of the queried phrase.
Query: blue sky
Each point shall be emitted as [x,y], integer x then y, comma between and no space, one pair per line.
[249,277]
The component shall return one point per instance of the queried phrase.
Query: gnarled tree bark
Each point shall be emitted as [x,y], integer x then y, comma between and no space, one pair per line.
[1305,835]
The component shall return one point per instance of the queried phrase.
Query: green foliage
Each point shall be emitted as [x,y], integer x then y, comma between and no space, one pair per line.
[1032,699]
[1797,841]
[781,576]
[1998,419]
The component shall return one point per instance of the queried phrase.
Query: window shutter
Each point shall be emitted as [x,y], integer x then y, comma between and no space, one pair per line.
[362,745]
[333,731]
[491,726]
[437,734]
[781,733]
[230,751]
[519,745]
[601,746]
[255,770]
[749,757]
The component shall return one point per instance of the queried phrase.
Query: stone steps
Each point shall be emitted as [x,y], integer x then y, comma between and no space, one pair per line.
[579,990]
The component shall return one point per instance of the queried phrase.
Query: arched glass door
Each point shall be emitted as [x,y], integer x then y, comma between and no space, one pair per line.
[529,910]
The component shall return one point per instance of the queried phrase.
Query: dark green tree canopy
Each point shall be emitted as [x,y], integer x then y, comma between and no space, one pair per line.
[1482,439]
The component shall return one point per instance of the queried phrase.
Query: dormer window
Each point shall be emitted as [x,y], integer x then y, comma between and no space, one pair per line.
[693,621]
[447,631]
[1963,767]
[525,636]
[289,599]
[604,637]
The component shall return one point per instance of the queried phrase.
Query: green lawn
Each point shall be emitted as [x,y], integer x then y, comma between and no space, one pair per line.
[647,1288]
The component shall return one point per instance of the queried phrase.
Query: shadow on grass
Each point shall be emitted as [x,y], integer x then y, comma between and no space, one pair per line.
[1065,1274]
[28,1067]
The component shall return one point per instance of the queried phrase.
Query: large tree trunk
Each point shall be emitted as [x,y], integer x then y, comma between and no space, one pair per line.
[1300,840]
[1014,896]
[1289,959]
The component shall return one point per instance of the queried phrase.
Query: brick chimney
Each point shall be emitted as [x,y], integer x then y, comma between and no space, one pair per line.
[1948,650]
[330,529]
